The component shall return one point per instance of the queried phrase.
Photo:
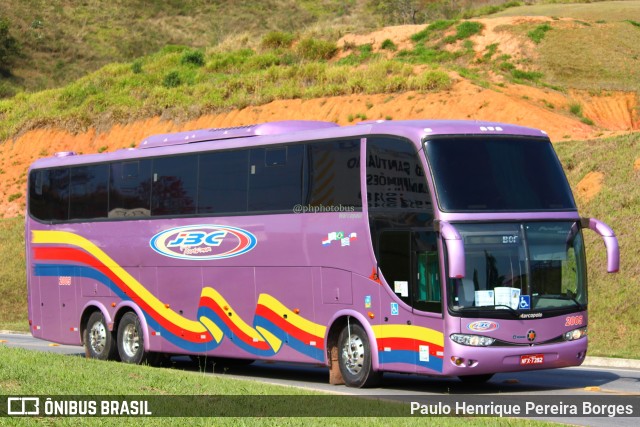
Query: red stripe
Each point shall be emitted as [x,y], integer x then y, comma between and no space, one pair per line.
[289,328]
[407,344]
[72,254]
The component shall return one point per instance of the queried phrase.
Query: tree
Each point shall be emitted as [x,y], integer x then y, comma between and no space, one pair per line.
[9,47]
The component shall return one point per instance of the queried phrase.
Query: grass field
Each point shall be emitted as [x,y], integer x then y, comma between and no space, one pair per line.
[614,318]
[24,372]
[591,11]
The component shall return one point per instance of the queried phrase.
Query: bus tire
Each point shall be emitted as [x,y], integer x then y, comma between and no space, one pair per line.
[475,379]
[354,357]
[131,340]
[98,339]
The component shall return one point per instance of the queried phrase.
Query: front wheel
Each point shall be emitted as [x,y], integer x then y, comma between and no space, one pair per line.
[131,340]
[355,357]
[98,340]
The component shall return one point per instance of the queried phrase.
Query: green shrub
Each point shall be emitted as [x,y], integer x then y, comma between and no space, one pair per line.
[439,25]
[277,40]
[464,31]
[172,79]
[192,57]
[14,196]
[575,108]
[388,44]
[537,34]
[136,67]
[314,50]
[430,81]
[526,75]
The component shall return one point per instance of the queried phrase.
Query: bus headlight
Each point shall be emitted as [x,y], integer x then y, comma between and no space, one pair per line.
[472,340]
[575,334]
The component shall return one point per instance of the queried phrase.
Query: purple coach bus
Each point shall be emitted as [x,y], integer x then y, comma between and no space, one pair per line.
[447,248]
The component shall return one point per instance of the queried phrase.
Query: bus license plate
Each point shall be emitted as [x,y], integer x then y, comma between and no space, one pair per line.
[532,359]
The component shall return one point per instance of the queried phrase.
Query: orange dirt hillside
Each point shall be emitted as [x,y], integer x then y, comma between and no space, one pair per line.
[521,105]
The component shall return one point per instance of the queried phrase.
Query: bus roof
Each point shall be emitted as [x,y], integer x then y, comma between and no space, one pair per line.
[287,131]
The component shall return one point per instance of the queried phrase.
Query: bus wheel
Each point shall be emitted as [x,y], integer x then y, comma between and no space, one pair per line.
[98,340]
[475,379]
[354,357]
[130,339]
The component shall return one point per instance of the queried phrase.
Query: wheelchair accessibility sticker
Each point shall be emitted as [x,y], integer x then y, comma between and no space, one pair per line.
[394,309]
[525,302]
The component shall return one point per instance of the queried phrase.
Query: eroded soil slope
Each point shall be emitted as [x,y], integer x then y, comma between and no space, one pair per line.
[537,107]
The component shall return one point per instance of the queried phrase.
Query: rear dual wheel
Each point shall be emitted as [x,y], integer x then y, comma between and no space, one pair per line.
[98,339]
[131,342]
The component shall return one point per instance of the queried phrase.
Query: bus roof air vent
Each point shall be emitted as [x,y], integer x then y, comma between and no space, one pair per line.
[273,128]
[65,154]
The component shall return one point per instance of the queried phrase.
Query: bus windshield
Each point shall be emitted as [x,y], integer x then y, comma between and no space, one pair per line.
[489,174]
[519,267]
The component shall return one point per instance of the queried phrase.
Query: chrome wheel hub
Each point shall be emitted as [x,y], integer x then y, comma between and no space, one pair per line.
[98,337]
[130,340]
[353,354]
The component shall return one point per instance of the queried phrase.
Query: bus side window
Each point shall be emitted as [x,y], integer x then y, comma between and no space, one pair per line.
[89,196]
[223,181]
[49,194]
[333,170]
[130,189]
[275,178]
[174,187]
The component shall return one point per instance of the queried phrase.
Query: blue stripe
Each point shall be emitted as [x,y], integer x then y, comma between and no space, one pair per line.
[411,358]
[291,341]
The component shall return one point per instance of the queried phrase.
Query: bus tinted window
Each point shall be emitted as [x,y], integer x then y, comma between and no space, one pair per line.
[334,174]
[223,182]
[498,174]
[89,192]
[130,189]
[275,178]
[174,189]
[395,178]
[49,194]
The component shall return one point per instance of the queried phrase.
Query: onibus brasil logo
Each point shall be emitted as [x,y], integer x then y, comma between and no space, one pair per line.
[203,242]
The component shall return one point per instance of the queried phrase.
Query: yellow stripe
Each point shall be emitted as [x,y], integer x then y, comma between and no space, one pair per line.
[409,331]
[216,332]
[64,237]
[292,318]
[272,340]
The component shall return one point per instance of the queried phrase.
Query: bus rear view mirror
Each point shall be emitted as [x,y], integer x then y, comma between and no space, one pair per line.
[455,249]
[610,242]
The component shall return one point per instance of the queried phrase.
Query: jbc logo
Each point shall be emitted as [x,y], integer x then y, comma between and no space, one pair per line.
[197,238]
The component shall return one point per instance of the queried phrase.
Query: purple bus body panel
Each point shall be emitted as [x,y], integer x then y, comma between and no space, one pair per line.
[275,285]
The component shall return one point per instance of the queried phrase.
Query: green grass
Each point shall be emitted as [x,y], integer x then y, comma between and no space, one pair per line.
[614,320]
[13,304]
[537,34]
[611,64]
[179,83]
[583,10]
[24,372]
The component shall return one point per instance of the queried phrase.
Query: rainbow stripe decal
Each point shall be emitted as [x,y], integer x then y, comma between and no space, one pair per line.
[274,324]
[65,254]
[409,344]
